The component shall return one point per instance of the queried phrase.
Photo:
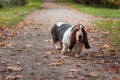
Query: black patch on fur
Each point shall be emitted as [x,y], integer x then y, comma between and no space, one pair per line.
[58,32]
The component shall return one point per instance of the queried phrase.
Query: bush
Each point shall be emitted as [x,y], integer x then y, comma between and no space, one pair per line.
[4,3]
[102,3]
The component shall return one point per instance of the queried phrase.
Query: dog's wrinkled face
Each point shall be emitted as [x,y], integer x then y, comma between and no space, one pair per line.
[79,35]
[78,32]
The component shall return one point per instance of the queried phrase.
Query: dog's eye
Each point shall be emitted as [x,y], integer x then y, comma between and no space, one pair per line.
[76,29]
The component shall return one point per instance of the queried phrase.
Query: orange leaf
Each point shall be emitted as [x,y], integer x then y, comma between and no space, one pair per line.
[88,30]
[2,44]
[106,33]
[73,70]
[71,76]
[92,74]
[56,64]
[13,77]
[49,52]
[105,46]
[14,68]
[112,50]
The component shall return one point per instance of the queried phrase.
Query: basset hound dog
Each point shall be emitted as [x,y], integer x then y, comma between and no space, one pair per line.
[69,38]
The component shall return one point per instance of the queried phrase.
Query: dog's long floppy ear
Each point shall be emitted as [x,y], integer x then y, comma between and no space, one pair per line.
[85,39]
[73,37]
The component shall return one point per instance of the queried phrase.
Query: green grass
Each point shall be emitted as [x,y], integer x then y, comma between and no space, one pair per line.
[96,11]
[11,15]
[113,26]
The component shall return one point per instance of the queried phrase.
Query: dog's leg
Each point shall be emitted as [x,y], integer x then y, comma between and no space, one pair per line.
[77,49]
[64,50]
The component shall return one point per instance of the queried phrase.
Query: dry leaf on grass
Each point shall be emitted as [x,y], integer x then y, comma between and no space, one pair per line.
[92,74]
[106,33]
[14,68]
[56,64]
[13,77]
[105,46]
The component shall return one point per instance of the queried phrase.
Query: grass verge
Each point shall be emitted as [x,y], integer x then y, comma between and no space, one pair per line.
[113,27]
[96,11]
[11,15]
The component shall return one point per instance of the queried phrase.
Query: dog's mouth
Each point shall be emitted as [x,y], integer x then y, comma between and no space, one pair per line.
[79,41]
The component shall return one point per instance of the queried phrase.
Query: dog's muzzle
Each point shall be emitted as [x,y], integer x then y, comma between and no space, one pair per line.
[80,38]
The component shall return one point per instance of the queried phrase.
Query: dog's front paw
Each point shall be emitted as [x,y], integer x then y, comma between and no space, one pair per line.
[77,55]
[63,52]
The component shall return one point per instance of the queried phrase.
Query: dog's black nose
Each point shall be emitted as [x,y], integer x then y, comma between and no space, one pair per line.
[80,36]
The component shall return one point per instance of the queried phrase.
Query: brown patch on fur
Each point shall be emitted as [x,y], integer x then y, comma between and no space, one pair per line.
[73,36]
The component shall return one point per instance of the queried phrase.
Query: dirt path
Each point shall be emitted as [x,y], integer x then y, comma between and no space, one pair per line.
[30,55]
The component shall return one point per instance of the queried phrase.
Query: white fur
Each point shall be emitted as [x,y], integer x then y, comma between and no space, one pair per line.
[79,33]
[66,40]
[60,23]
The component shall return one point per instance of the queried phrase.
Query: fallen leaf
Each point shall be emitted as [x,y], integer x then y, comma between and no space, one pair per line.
[37,64]
[2,44]
[18,49]
[92,74]
[18,63]
[73,70]
[1,78]
[49,52]
[90,55]
[8,64]
[112,70]
[56,64]
[71,76]
[28,45]
[42,78]
[78,65]
[13,77]
[14,68]
[105,46]
[118,78]
[88,30]
[112,50]
[1,33]
[64,56]
[109,60]
[106,33]
[82,20]
[101,61]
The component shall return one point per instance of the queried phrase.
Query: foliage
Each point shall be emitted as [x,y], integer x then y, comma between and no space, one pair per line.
[117,2]
[4,3]
[100,3]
